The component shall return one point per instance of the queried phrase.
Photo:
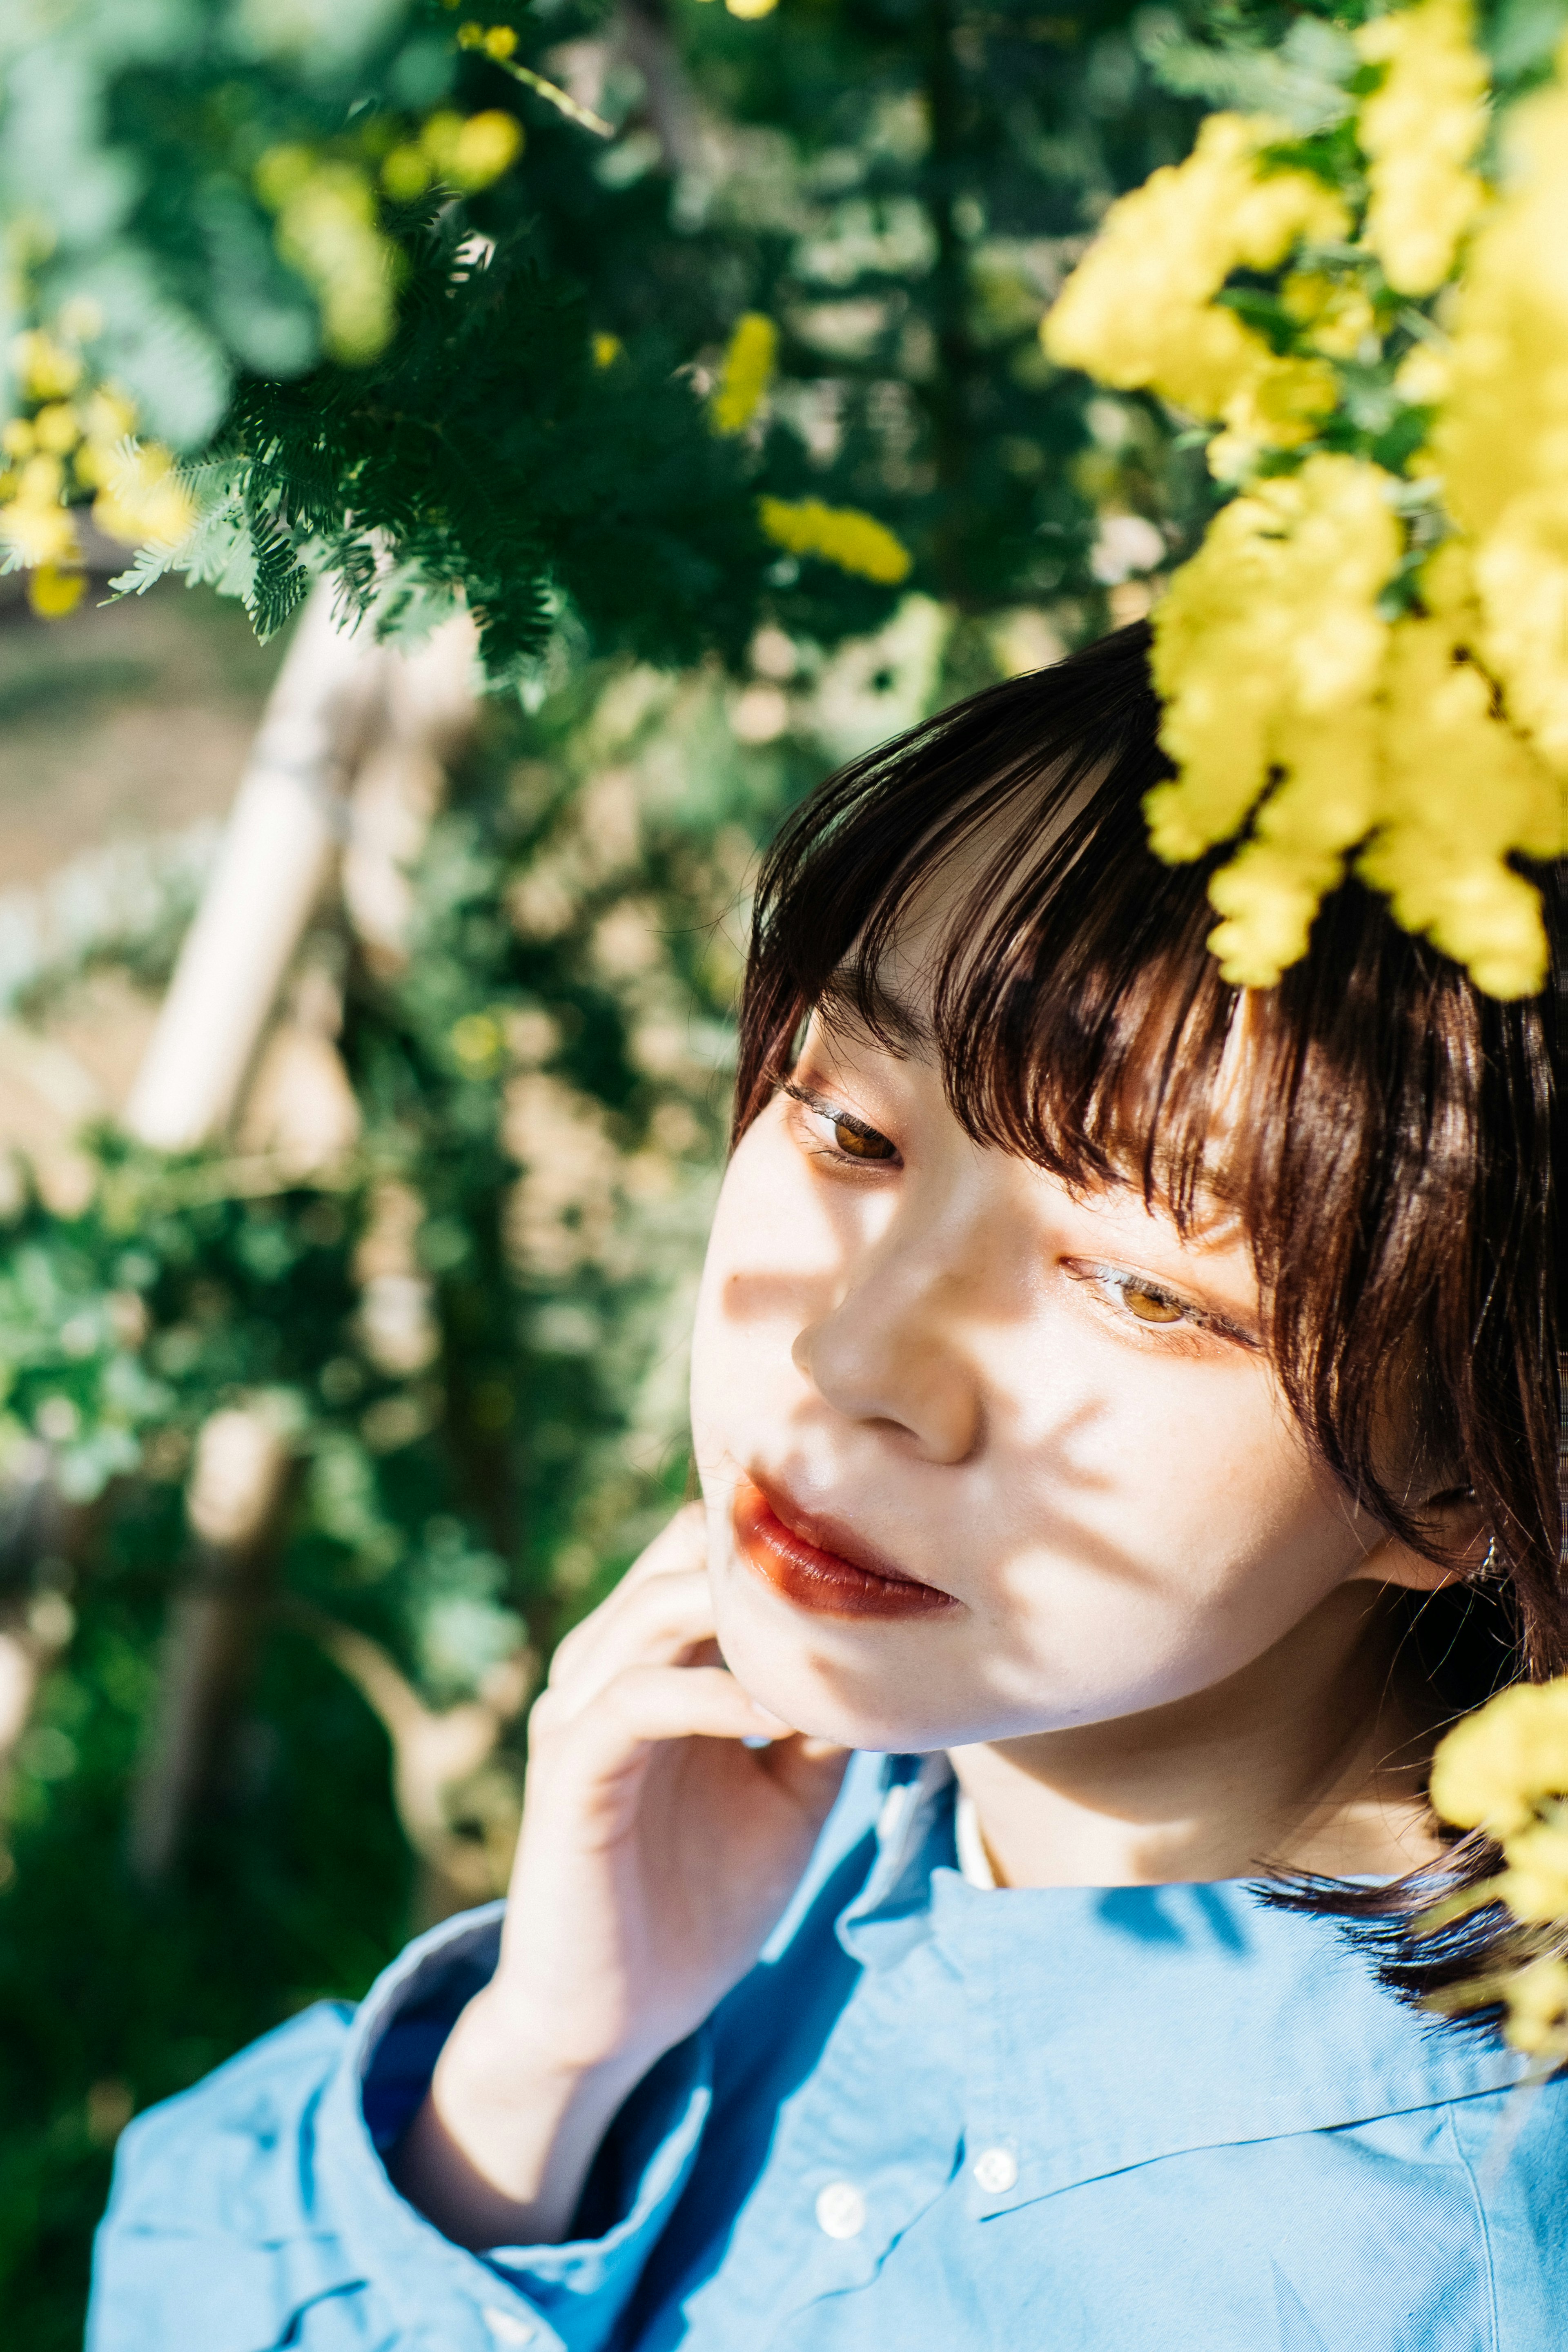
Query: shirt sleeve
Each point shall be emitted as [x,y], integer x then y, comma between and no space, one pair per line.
[255,2211]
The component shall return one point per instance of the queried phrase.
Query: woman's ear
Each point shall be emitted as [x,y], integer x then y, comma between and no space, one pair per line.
[1455,1519]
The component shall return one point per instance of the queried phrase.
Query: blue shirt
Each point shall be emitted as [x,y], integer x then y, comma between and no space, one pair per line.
[933,2118]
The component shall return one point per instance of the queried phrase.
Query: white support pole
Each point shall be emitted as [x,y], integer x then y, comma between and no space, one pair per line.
[284,826]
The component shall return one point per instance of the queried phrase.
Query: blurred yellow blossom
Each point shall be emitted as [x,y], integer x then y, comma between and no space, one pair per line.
[327,230]
[56,428]
[1275,664]
[842,535]
[406,171]
[1491,1771]
[1423,376]
[1535,1885]
[497,41]
[34,526]
[46,368]
[52,593]
[1275,406]
[1139,309]
[1458,788]
[1500,438]
[141,498]
[467,155]
[144,501]
[746,373]
[1336,312]
[1267,651]
[1327,694]
[107,416]
[1504,1771]
[462,154]
[1419,132]
[1537,2001]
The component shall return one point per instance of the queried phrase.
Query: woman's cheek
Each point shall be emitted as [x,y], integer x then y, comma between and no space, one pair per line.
[1166,1519]
[748,1302]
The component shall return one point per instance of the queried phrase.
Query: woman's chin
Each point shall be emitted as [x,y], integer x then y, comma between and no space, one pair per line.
[845,1682]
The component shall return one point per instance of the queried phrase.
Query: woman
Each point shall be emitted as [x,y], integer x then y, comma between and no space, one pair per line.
[1126,1417]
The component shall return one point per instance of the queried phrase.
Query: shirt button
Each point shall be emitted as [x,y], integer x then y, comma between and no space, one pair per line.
[841,2209]
[996,2170]
[507,2328]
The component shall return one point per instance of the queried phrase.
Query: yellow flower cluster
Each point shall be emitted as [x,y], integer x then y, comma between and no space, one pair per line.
[1269,654]
[1495,1769]
[1419,132]
[452,152]
[497,41]
[842,535]
[68,446]
[1459,788]
[1500,442]
[747,372]
[1140,313]
[1537,2003]
[142,501]
[328,231]
[1285,691]
[1505,1771]
[1433,747]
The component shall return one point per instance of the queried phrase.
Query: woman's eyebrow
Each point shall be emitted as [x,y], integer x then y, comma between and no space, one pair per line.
[859,998]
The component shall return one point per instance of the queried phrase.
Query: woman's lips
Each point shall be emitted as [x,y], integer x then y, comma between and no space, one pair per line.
[823,1582]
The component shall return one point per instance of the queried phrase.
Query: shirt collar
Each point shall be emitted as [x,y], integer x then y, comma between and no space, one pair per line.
[891,1914]
[1109,2026]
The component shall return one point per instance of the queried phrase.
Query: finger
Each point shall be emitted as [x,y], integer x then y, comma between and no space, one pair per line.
[678,1549]
[661,1624]
[681,1542]
[646,1705]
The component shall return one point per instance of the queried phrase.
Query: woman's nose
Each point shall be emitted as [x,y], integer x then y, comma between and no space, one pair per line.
[889,1351]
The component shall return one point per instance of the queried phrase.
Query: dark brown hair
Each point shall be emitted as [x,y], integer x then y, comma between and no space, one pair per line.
[1393,1170]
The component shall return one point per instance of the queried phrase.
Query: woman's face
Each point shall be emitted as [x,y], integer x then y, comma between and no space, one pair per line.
[918,1358]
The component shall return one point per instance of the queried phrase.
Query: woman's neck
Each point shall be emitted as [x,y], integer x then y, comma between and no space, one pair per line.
[1311,1758]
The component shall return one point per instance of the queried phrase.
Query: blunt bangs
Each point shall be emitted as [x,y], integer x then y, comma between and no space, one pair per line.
[1383,1130]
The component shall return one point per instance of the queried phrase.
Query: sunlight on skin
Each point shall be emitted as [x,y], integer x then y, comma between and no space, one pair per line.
[1169,1655]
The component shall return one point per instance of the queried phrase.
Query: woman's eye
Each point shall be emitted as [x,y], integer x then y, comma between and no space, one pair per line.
[1150,1306]
[858,1142]
[1130,1297]
[1138,1298]
[852,1138]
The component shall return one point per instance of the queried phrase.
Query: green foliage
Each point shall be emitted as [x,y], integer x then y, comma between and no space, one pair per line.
[899,183]
[565,1005]
[111,1995]
[546,480]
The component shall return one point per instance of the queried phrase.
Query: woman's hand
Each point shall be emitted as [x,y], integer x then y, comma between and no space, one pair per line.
[657,1853]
